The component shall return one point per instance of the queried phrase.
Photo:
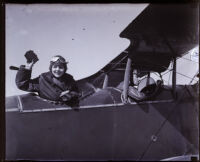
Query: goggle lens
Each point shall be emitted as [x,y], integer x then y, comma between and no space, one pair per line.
[55,59]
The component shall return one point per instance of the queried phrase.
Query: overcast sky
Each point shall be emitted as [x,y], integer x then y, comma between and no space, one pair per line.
[86,35]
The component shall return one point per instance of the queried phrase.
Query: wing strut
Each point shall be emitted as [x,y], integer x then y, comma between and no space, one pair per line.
[174,78]
[126,80]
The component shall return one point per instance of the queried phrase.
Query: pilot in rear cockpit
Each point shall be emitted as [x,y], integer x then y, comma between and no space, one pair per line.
[141,88]
[55,85]
[144,88]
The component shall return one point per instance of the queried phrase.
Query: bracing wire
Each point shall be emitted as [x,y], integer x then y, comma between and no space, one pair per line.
[167,72]
[160,77]
[194,77]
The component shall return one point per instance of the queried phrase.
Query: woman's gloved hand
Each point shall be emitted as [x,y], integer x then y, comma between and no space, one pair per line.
[68,95]
[65,95]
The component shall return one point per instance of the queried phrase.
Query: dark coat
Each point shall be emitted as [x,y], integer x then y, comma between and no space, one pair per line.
[46,84]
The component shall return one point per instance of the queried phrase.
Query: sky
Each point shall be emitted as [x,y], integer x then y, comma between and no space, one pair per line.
[87,35]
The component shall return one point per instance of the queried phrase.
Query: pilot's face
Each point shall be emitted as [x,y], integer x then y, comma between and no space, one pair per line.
[58,70]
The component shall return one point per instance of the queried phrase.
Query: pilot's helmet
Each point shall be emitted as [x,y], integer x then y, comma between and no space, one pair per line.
[59,60]
[145,83]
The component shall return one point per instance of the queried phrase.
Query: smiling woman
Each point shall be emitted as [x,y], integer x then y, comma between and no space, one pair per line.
[55,85]
[58,66]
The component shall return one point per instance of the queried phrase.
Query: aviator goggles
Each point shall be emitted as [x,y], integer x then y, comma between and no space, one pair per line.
[57,58]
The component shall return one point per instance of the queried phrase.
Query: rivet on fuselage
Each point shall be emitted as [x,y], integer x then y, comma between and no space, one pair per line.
[154,138]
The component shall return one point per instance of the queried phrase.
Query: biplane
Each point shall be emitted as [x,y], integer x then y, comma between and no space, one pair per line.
[124,113]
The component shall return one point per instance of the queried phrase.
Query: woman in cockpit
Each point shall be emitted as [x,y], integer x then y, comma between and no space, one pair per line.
[55,85]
